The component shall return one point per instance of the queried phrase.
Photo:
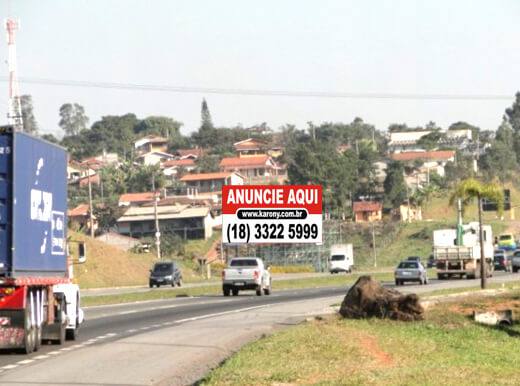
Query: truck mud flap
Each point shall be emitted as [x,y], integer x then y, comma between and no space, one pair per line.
[11,329]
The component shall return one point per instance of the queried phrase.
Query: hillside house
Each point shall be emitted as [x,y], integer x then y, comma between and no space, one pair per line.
[150,144]
[135,199]
[154,158]
[80,217]
[260,169]
[170,168]
[426,161]
[189,222]
[252,147]
[367,211]
[194,153]
[210,182]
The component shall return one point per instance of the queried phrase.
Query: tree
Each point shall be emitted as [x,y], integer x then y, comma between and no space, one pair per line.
[29,121]
[500,159]
[205,117]
[72,118]
[470,189]
[50,138]
[319,163]
[394,184]
[461,125]
[159,125]
[513,117]
[206,135]
[431,141]
[207,164]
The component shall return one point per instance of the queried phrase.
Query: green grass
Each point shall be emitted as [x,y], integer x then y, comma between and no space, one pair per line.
[446,348]
[216,289]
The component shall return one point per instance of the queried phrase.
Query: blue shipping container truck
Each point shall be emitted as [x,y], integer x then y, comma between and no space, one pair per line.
[38,300]
[33,206]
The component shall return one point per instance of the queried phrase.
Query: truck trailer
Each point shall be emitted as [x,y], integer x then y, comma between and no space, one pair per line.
[38,300]
[461,258]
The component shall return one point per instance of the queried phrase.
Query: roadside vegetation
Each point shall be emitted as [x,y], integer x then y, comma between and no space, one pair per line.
[447,347]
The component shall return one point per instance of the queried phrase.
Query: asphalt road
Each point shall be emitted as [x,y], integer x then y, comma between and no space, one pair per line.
[118,322]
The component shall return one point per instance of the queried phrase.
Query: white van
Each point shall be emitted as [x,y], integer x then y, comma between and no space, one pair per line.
[341,258]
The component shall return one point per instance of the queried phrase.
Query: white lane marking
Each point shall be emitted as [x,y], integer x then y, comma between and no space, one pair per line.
[131,330]
[89,342]
[67,348]
[41,357]
[77,345]
[111,334]
[221,313]
[145,328]
[25,362]
[155,325]
[54,353]
[104,315]
[9,367]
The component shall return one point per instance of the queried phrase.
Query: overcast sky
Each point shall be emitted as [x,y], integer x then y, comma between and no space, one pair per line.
[398,47]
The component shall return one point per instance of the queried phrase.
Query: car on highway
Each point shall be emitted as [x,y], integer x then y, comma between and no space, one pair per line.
[413,258]
[246,273]
[506,241]
[408,271]
[165,273]
[515,261]
[431,261]
[502,261]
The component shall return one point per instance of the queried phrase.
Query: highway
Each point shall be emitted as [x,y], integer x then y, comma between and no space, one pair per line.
[182,337]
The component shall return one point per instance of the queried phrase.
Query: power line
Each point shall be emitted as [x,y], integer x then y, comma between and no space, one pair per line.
[257,92]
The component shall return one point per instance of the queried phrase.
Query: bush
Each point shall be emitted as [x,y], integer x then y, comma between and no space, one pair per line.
[292,268]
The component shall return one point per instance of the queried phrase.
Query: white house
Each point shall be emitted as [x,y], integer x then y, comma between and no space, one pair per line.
[155,158]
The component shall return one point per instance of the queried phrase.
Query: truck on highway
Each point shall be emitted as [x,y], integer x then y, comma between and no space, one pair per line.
[456,252]
[38,300]
[246,273]
[341,258]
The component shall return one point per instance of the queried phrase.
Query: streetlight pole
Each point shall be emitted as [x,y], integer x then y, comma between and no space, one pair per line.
[374,245]
[156,215]
[91,209]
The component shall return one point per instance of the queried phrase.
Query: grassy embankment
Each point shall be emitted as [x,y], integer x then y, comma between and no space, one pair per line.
[447,347]
[108,266]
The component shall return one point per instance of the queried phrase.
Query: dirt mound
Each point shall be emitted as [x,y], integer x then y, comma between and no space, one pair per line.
[367,298]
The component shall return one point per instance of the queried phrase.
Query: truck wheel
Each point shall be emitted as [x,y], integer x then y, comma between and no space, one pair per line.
[37,338]
[225,290]
[267,291]
[396,282]
[235,291]
[72,333]
[62,338]
[29,332]
[179,282]
[515,269]
[259,290]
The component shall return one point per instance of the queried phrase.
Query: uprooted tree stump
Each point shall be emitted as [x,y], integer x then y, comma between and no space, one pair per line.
[367,298]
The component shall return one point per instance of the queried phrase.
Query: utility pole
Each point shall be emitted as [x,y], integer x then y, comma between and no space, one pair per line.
[374,245]
[483,272]
[14,106]
[156,215]
[91,209]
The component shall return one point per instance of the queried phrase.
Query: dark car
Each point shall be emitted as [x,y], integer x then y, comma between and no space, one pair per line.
[413,258]
[502,261]
[165,273]
[431,262]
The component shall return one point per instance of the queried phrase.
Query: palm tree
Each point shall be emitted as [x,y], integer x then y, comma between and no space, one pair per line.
[469,189]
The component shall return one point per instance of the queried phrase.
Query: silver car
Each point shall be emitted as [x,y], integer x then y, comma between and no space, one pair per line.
[410,271]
